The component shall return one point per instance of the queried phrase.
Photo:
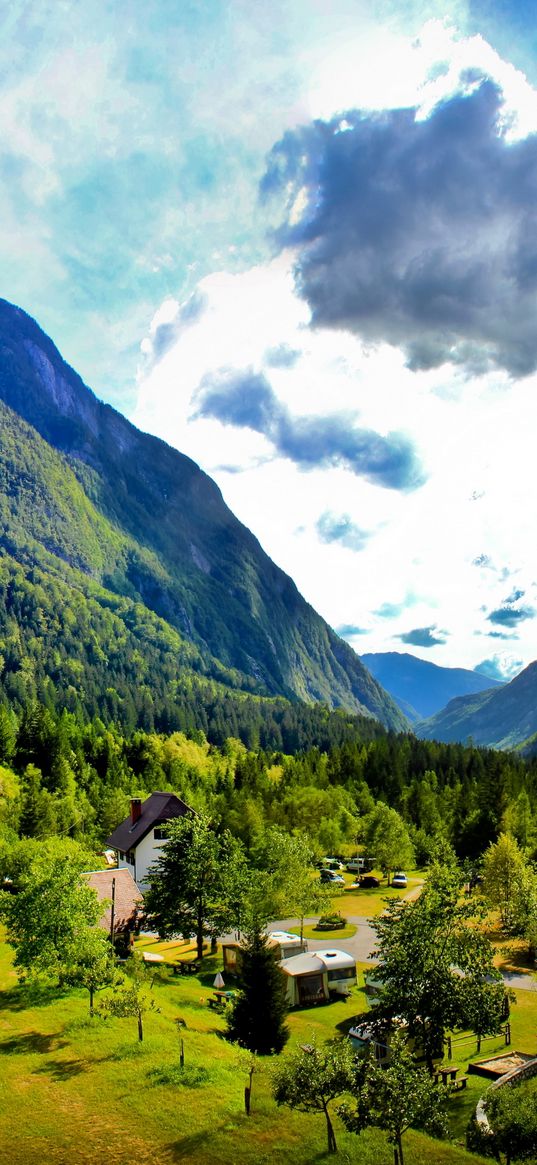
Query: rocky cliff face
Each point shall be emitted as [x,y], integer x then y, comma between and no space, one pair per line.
[173,543]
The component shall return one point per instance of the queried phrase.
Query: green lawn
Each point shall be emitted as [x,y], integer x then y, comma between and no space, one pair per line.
[369,903]
[75,1089]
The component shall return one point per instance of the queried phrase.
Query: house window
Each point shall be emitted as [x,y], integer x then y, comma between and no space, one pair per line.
[121,856]
[161,833]
[130,857]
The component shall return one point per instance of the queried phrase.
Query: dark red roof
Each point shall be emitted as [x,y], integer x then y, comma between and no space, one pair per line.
[158,808]
[127,898]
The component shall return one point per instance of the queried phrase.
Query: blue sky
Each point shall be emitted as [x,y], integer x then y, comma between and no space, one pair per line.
[297,240]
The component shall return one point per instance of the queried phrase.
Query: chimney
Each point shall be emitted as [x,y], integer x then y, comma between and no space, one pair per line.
[136,810]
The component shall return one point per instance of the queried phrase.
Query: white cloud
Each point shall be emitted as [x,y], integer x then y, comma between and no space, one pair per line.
[438,556]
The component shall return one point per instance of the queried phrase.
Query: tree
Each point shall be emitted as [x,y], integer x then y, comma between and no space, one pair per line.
[130,999]
[435,966]
[257,1016]
[506,874]
[197,884]
[93,965]
[395,1098]
[313,1077]
[387,839]
[290,888]
[512,1116]
[51,916]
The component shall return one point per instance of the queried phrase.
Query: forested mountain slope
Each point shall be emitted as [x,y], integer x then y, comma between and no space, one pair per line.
[502,718]
[116,520]
[422,688]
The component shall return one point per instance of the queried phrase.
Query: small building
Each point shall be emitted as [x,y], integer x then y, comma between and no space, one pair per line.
[139,839]
[124,902]
[313,977]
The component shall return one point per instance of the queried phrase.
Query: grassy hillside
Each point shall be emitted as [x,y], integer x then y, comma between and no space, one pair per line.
[86,1091]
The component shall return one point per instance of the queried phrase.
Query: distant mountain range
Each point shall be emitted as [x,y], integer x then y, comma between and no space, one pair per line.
[421,688]
[504,717]
[122,570]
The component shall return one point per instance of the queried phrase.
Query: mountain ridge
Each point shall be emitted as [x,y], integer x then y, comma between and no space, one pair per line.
[420,687]
[152,527]
[504,717]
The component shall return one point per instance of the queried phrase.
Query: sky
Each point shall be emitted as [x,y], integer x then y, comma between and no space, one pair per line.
[298,241]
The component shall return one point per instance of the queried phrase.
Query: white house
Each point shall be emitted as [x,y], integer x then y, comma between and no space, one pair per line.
[139,839]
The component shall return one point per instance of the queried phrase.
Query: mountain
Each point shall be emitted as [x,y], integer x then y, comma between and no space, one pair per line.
[504,717]
[127,533]
[419,687]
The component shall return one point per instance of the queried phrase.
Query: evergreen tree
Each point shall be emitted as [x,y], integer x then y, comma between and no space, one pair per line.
[257,1018]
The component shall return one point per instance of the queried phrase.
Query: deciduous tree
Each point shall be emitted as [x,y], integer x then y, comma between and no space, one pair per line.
[313,1077]
[197,884]
[395,1098]
[53,912]
[436,966]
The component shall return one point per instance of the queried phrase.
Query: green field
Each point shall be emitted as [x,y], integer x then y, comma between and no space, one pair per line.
[75,1089]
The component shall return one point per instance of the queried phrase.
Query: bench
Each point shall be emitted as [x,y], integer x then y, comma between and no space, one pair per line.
[459,1085]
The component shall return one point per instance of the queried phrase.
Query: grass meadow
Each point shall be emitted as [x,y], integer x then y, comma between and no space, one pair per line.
[85,1090]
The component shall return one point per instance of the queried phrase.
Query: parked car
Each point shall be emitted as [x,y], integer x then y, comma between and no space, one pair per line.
[399,880]
[331,864]
[368,882]
[330,877]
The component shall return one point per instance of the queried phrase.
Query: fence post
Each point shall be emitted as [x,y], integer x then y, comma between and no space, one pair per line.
[479,1043]
[507,1034]
[450,1053]
[182,1055]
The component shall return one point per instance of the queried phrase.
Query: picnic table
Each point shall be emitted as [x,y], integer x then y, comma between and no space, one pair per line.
[220,998]
[448,1072]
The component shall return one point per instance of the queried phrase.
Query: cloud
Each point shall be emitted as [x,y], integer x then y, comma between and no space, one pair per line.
[499,635]
[499,667]
[422,636]
[282,356]
[340,528]
[166,334]
[510,616]
[515,596]
[246,399]
[349,630]
[417,231]
[390,610]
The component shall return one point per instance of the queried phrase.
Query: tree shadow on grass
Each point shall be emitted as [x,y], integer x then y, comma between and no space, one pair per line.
[186,1147]
[24,996]
[62,1069]
[31,1042]
[344,1025]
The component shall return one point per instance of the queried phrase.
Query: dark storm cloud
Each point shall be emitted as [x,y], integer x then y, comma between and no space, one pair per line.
[246,399]
[510,616]
[340,528]
[421,233]
[422,637]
